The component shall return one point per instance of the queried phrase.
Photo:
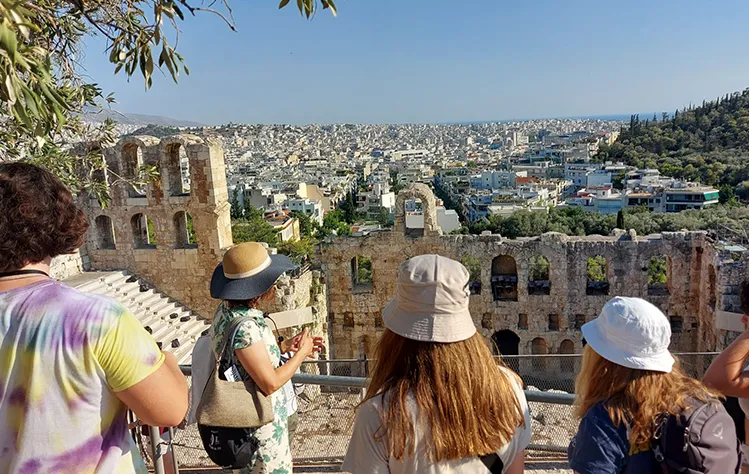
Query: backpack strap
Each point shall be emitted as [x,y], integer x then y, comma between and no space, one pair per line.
[493,462]
[659,440]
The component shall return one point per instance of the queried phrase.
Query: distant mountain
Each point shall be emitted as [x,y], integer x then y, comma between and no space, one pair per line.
[99,115]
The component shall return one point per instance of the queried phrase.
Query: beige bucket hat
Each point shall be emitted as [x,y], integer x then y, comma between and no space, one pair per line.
[431,301]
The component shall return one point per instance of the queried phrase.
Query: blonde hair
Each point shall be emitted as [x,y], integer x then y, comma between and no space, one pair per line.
[632,396]
[461,394]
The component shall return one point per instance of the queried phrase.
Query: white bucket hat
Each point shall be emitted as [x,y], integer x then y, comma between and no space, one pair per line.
[431,301]
[632,333]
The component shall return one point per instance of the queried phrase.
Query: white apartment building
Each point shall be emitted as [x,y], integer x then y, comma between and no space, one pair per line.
[409,155]
[312,208]
[447,219]
[598,178]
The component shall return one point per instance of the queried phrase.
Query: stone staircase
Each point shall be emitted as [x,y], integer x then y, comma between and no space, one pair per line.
[174,327]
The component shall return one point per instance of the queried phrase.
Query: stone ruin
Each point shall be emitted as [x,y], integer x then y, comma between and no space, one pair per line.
[519,307]
[173,231]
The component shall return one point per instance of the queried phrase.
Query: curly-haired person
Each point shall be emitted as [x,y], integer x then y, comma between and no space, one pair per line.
[71,363]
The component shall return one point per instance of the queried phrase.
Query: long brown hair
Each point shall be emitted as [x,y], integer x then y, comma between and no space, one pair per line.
[461,394]
[632,396]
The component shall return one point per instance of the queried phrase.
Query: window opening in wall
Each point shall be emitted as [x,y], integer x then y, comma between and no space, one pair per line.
[522,321]
[414,215]
[658,276]
[507,343]
[361,274]
[677,323]
[504,279]
[104,233]
[132,160]
[711,286]
[348,320]
[473,265]
[597,279]
[178,169]
[553,322]
[144,233]
[539,347]
[579,321]
[567,364]
[538,276]
[184,231]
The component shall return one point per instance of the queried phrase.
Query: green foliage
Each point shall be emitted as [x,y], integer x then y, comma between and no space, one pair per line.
[151,231]
[42,90]
[363,270]
[348,207]
[384,218]
[657,271]
[191,238]
[299,251]
[307,227]
[708,144]
[334,222]
[538,269]
[394,184]
[596,269]
[473,265]
[236,210]
[253,228]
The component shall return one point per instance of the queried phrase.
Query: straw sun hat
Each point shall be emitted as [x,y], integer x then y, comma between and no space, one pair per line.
[247,271]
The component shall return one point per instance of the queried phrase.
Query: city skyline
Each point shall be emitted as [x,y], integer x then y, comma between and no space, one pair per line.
[386,62]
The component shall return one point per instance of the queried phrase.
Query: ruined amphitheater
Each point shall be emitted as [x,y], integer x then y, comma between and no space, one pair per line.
[154,249]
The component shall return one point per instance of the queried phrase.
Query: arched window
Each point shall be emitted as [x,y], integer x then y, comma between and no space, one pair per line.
[361,274]
[538,276]
[539,347]
[567,364]
[132,161]
[184,231]
[504,278]
[144,233]
[597,276]
[104,233]
[414,212]
[658,274]
[178,169]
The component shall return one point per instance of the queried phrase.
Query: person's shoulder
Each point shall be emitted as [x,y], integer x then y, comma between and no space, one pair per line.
[74,301]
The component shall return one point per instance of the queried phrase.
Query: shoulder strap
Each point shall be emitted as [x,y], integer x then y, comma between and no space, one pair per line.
[229,334]
[493,463]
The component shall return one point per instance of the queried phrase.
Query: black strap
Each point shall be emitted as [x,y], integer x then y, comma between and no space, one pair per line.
[23,272]
[493,462]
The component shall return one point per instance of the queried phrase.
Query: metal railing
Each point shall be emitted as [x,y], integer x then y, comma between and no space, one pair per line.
[327,407]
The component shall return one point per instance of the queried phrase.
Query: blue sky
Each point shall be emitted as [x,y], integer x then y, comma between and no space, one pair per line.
[395,61]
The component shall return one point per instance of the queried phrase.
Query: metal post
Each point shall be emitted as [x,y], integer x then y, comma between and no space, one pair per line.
[157,451]
[174,453]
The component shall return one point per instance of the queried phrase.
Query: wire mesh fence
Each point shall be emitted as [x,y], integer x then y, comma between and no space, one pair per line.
[326,414]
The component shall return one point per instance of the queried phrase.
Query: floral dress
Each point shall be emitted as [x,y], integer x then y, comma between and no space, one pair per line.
[274,454]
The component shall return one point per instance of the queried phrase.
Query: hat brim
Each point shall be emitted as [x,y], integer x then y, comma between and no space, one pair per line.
[223,288]
[427,326]
[662,362]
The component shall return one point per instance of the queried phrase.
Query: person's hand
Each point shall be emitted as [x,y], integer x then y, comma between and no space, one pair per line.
[317,343]
[304,343]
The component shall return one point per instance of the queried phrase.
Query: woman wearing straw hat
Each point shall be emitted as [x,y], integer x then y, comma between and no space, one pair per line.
[245,280]
[437,401]
[627,384]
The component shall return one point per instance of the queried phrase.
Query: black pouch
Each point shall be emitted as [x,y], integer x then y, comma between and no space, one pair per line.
[230,448]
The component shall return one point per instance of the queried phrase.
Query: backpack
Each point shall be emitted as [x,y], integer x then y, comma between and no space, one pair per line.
[230,448]
[700,440]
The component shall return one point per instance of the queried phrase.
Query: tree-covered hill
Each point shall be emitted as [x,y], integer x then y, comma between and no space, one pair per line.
[709,143]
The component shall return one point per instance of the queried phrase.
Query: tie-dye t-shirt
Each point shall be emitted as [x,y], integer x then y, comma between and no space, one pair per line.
[63,355]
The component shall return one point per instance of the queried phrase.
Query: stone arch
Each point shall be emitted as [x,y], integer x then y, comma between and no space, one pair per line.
[132,160]
[504,278]
[507,343]
[659,275]
[539,282]
[567,364]
[539,347]
[104,233]
[184,232]
[596,271]
[177,169]
[426,196]
[143,231]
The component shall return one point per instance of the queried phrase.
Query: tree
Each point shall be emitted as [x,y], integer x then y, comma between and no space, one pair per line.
[298,250]
[657,271]
[349,208]
[596,270]
[254,230]
[620,219]
[307,226]
[236,209]
[43,91]
[383,218]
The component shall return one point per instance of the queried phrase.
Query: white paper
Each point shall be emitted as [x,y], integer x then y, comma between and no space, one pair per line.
[232,374]
[729,321]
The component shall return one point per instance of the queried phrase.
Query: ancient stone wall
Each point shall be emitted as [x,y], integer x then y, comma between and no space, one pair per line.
[66,266]
[518,310]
